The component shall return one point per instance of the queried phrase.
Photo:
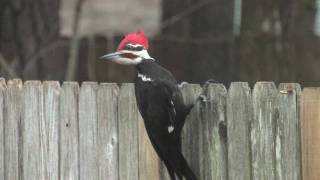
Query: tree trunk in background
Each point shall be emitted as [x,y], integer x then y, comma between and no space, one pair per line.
[259,44]
[207,35]
[170,9]
[302,44]
[212,25]
[171,47]
[29,35]
[276,37]
[276,41]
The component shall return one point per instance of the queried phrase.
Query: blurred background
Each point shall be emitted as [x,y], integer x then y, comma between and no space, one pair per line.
[225,40]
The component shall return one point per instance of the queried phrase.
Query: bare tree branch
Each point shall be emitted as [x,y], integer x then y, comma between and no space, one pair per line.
[207,40]
[185,13]
[42,53]
[74,44]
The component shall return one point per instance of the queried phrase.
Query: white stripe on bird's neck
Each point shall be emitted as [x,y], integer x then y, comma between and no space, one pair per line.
[144,78]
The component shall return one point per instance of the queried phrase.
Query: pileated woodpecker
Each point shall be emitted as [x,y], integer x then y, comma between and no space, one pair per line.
[159,101]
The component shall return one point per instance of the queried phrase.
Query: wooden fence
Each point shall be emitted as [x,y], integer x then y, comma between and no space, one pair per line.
[95,132]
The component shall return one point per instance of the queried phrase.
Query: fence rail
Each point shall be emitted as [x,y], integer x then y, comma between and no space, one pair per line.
[95,132]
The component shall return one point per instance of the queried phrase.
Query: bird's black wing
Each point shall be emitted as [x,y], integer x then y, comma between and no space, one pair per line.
[160,117]
[161,110]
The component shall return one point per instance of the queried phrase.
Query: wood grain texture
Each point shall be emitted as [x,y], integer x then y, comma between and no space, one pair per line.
[191,136]
[49,130]
[12,125]
[31,117]
[212,147]
[263,131]
[149,162]
[88,135]
[96,132]
[288,133]
[310,134]
[239,113]
[107,104]
[3,88]
[69,131]
[128,134]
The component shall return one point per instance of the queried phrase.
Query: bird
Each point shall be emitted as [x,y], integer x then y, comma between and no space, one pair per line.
[159,101]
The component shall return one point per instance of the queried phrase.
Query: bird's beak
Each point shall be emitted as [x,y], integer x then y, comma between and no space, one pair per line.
[111,56]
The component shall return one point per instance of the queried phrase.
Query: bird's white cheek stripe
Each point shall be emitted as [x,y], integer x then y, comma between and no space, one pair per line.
[144,77]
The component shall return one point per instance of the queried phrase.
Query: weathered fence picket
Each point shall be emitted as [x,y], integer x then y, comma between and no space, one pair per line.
[95,132]
[263,131]
[88,135]
[240,114]
[287,133]
[31,118]
[310,134]
[69,131]
[128,134]
[12,113]
[49,127]
[191,134]
[2,92]
[107,104]
[212,147]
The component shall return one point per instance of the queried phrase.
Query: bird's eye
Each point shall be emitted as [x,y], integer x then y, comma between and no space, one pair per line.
[133,47]
[128,47]
[138,48]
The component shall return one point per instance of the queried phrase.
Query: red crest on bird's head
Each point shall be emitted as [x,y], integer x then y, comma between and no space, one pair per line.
[134,38]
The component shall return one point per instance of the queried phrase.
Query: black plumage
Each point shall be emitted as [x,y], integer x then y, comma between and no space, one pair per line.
[161,105]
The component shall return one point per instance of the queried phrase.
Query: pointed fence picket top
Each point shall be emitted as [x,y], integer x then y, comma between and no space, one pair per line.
[128,134]
[262,130]
[107,106]
[190,132]
[96,132]
[88,135]
[11,114]
[239,113]
[288,132]
[69,131]
[31,118]
[49,127]
[212,147]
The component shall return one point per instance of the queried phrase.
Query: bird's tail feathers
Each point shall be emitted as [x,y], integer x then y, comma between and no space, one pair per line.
[186,170]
